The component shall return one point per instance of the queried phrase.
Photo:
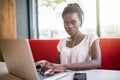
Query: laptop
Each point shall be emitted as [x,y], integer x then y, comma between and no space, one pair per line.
[19,60]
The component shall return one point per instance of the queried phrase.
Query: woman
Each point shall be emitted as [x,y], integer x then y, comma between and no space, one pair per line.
[79,51]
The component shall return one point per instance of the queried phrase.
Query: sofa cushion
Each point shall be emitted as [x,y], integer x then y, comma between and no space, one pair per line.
[44,49]
[110,50]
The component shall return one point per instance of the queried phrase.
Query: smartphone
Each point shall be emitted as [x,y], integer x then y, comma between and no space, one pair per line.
[80,76]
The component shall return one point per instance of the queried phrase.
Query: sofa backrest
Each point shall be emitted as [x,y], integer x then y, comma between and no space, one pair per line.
[44,49]
[110,51]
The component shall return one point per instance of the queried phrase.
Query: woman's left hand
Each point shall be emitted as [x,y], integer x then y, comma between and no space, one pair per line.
[60,68]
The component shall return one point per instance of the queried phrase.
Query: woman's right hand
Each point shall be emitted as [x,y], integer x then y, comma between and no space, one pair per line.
[60,68]
[41,63]
[44,65]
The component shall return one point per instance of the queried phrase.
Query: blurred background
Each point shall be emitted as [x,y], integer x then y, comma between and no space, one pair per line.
[41,19]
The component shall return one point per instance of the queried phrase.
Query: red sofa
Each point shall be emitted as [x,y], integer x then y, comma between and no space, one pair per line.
[110,51]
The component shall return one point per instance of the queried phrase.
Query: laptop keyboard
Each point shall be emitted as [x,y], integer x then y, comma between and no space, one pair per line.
[56,76]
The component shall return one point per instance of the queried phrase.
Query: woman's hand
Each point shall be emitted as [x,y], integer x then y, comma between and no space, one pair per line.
[60,68]
[44,65]
[41,63]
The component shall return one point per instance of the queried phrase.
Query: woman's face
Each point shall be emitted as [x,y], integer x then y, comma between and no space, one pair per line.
[71,23]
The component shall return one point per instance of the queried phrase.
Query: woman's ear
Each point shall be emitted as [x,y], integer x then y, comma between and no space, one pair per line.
[80,24]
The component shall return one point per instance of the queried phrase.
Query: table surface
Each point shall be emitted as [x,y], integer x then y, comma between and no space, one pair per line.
[94,74]
[4,74]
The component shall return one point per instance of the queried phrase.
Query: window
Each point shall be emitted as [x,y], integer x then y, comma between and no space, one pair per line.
[50,23]
[110,18]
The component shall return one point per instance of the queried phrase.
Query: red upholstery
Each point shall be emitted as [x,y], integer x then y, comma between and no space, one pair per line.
[44,49]
[110,49]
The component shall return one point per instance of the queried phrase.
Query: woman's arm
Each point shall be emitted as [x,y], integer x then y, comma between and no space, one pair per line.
[58,58]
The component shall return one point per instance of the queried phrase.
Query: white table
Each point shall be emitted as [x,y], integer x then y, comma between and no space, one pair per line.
[4,74]
[96,74]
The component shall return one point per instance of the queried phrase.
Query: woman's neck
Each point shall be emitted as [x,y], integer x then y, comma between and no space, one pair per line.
[73,37]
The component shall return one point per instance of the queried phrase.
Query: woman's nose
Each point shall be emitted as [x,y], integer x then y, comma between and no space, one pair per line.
[70,25]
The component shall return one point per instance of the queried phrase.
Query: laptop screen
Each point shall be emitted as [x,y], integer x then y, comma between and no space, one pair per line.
[18,57]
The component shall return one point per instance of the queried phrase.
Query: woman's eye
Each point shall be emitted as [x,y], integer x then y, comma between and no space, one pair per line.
[73,22]
[66,22]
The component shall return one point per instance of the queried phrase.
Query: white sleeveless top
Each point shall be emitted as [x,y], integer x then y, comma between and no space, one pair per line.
[78,53]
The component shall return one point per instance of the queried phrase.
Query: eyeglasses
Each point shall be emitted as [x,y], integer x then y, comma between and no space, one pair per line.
[73,22]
